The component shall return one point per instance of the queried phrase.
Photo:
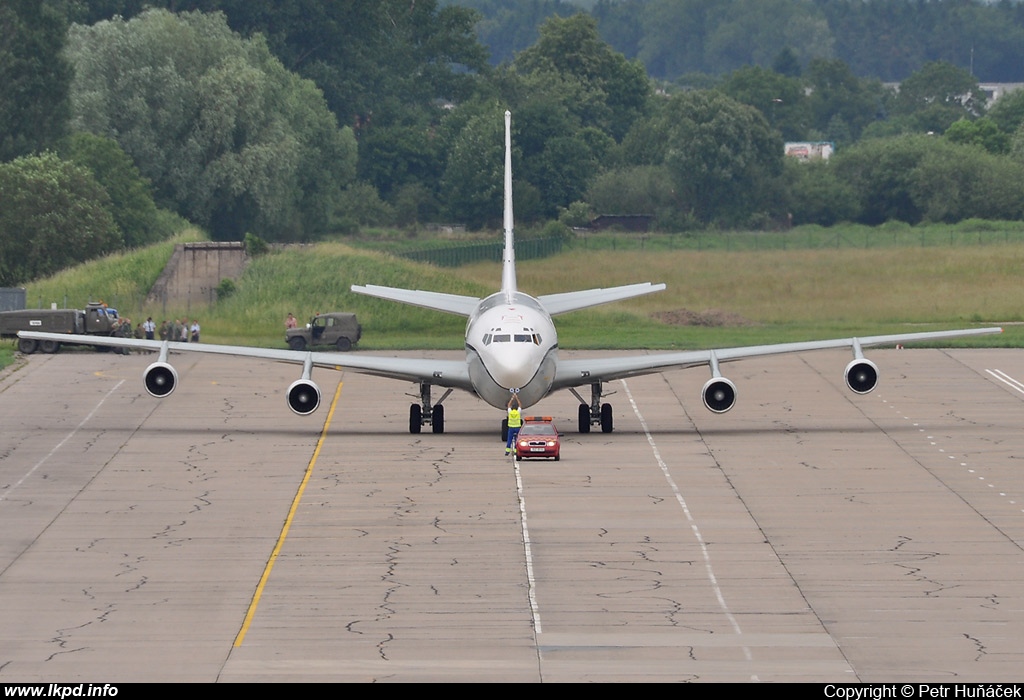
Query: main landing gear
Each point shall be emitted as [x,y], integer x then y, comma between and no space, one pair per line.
[423,413]
[594,413]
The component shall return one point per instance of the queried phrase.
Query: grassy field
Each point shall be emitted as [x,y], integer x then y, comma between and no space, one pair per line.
[714,297]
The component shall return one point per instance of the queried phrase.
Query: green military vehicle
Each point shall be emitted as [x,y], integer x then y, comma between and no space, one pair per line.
[95,319]
[338,329]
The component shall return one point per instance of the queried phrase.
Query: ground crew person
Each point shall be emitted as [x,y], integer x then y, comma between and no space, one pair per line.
[515,421]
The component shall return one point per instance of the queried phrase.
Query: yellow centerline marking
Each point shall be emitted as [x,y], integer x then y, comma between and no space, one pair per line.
[251,613]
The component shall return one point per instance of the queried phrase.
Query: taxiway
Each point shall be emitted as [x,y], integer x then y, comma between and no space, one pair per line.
[808,535]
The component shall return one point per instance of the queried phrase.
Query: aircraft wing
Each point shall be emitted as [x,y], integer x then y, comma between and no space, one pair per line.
[571,301]
[573,372]
[438,301]
[446,373]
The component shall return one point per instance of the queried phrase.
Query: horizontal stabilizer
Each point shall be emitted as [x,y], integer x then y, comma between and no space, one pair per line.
[571,301]
[438,301]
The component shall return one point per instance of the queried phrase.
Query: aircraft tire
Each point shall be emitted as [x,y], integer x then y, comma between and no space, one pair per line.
[584,418]
[606,418]
[415,418]
[504,430]
[437,419]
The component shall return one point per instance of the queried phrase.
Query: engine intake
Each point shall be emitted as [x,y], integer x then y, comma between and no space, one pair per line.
[719,394]
[160,379]
[861,375]
[303,397]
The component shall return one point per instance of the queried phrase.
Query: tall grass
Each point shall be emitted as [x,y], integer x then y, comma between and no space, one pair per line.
[874,285]
[316,279]
[770,295]
[122,280]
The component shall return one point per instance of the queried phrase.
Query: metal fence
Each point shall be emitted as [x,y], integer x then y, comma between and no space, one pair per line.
[802,238]
[12,298]
[458,254]
[806,238]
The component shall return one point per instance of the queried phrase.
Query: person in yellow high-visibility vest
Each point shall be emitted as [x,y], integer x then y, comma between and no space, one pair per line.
[515,422]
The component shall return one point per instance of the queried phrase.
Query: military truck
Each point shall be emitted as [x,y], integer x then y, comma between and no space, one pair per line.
[338,329]
[95,319]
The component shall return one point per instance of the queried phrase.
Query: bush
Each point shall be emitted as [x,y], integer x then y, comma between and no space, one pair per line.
[255,246]
[226,288]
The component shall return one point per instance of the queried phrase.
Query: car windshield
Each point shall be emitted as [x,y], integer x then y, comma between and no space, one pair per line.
[537,429]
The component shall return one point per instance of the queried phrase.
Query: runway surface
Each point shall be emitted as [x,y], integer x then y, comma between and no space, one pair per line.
[808,535]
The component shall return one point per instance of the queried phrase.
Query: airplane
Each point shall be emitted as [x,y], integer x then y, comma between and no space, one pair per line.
[511,348]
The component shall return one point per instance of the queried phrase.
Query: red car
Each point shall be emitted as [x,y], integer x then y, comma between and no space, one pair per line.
[537,438]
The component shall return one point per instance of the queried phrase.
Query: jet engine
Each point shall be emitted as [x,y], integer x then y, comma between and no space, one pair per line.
[719,394]
[861,375]
[303,396]
[160,379]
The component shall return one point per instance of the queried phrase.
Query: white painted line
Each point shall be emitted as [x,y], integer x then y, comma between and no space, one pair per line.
[531,581]
[1007,379]
[60,444]
[708,568]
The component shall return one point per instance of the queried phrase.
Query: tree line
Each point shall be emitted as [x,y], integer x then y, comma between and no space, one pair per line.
[678,40]
[296,121]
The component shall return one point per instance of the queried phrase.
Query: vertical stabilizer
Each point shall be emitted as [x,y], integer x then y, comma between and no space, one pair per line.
[508,270]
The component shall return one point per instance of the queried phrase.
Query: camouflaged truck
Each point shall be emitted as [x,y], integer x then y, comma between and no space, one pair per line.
[337,329]
[95,319]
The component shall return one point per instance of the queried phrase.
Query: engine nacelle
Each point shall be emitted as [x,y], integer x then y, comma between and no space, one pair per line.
[303,397]
[861,375]
[719,394]
[160,379]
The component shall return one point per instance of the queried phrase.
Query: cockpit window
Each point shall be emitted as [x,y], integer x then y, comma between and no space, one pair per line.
[511,338]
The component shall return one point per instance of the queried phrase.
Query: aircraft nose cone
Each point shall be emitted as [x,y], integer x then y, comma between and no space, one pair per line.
[515,367]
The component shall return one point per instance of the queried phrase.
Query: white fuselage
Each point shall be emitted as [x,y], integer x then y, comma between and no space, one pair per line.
[511,345]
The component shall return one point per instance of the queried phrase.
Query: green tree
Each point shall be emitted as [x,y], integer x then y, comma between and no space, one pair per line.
[1008,111]
[981,132]
[841,103]
[615,90]
[880,172]
[916,178]
[754,32]
[472,183]
[556,156]
[953,182]
[644,190]
[722,156]
[54,215]
[939,94]
[228,137]
[132,203]
[782,100]
[816,195]
[374,61]
[392,157]
[34,107]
